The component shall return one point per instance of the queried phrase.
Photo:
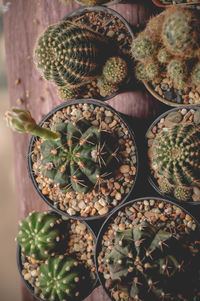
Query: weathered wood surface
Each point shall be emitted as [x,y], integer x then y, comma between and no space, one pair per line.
[23,22]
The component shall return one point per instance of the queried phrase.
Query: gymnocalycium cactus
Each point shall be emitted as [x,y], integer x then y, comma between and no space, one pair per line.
[147,263]
[40,234]
[76,154]
[175,159]
[62,278]
[72,55]
[174,45]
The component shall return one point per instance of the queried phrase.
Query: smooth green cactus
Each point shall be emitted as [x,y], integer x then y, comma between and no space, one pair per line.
[164,56]
[146,261]
[144,47]
[180,32]
[80,157]
[115,70]
[40,234]
[175,158]
[71,54]
[21,121]
[178,71]
[196,75]
[62,278]
[106,88]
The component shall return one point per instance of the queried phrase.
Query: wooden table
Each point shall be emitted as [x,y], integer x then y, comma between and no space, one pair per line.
[23,22]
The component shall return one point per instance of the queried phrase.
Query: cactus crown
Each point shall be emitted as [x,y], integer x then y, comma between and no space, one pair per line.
[146,260]
[175,158]
[70,54]
[79,158]
[178,71]
[39,234]
[62,278]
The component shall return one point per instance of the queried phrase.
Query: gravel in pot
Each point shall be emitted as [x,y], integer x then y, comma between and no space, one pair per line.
[47,244]
[148,249]
[166,3]
[173,142]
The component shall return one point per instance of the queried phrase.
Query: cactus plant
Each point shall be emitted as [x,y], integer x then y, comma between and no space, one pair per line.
[106,88]
[62,278]
[147,263]
[76,155]
[40,234]
[147,71]
[115,70]
[67,92]
[164,56]
[144,47]
[178,71]
[175,159]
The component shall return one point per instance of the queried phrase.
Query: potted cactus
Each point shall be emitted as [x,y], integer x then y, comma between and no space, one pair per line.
[83,57]
[148,249]
[86,162]
[49,261]
[166,3]
[167,52]
[173,142]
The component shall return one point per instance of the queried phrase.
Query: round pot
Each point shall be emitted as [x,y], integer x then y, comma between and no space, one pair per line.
[105,227]
[151,179]
[112,2]
[31,288]
[158,3]
[82,11]
[33,176]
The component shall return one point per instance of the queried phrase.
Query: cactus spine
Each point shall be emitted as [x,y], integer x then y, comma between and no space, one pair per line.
[175,158]
[62,278]
[40,234]
[115,70]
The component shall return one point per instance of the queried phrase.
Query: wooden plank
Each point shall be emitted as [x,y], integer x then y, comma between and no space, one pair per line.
[23,22]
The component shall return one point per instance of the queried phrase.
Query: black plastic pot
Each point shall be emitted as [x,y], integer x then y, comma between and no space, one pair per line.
[30,287]
[129,82]
[33,139]
[112,216]
[151,179]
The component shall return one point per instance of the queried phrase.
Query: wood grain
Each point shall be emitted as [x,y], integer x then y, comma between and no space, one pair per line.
[23,22]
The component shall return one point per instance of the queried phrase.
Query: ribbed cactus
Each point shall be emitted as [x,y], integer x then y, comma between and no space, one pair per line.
[62,278]
[115,70]
[178,72]
[180,32]
[175,159]
[106,88]
[71,54]
[40,234]
[147,263]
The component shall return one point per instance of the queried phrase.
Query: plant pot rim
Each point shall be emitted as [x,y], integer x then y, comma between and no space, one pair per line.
[49,202]
[112,2]
[84,9]
[167,102]
[106,223]
[157,3]
[150,177]
[31,288]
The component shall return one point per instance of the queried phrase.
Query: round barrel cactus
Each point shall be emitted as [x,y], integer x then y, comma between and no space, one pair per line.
[149,263]
[175,159]
[40,234]
[144,47]
[62,278]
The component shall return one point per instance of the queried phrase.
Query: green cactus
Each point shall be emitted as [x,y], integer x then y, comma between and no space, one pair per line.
[40,234]
[140,71]
[164,56]
[180,32]
[196,75]
[115,70]
[144,47]
[106,88]
[147,71]
[178,71]
[71,54]
[175,158]
[21,121]
[147,263]
[62,278]
[67,93]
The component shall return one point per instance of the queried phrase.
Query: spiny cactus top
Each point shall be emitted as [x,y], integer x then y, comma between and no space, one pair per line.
[70,54]
[147,261]
[81,155]
[39,234]
[62,278]
[175,158]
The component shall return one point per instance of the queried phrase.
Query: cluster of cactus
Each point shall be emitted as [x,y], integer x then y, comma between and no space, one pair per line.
[175,159]
[72,55]
[62,278]
[40,234]
[171,41]
[74,154]
[148,263]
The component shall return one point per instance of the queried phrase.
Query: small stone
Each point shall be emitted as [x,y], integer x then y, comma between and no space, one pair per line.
[27,276]
[118,196]
[117,186]
[19,101]
[97,206]
[108,113]
[71,211]
[174,117]
[34,273]
[149,134]
[169,95]
[197,117]
[81,205]
[121,227]
[183,111]
[110,33]
[196,190]
[112,124]
[103,210]
[102,202]
[124,168]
